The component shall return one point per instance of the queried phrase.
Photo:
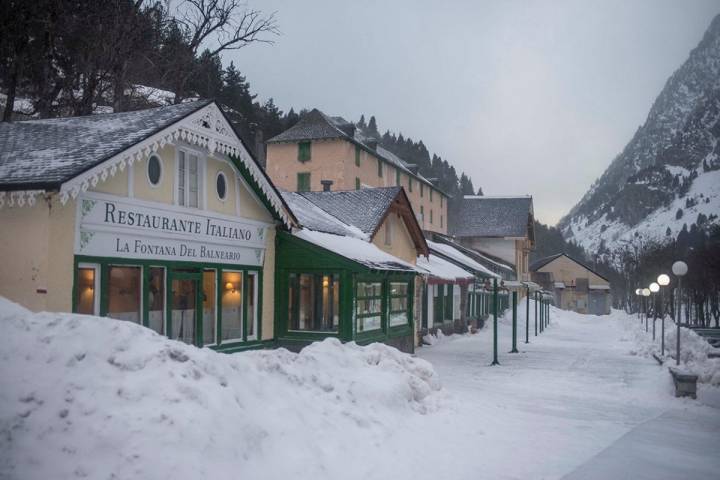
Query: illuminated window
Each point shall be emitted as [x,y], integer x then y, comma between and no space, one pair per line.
[156,299]
[232,305]
[369,306]
[124,299]
[399,293]
[314,302]
[87,295]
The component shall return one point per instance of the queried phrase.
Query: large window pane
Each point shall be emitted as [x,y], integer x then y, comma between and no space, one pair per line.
[252,294]
[369,306]
[398,303]
[184,299]
[156,299]
[181,178]
[232,305]
[124,293]
[86,290]
[314,302]
[193,181]
[209,303]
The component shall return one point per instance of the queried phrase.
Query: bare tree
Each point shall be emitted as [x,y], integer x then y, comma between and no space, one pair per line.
[217,26]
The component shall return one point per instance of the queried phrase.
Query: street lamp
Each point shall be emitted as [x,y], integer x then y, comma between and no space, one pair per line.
[645,294]
[663,280]
[679,269]
[654,288]
[638,293]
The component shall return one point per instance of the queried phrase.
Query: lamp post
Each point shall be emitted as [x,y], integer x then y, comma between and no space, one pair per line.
[638,293]
[645,294]
[679,269]
[514,325]
[495,324]
[654,288]
[527,316]
[662,280]
[536,312]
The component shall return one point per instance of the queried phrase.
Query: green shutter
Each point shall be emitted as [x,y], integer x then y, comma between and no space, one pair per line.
[303,182]
[397,177]
[431,190]
[304,151]
[357,155]
[380,169]
[410,183]
[422,189]
[357,183]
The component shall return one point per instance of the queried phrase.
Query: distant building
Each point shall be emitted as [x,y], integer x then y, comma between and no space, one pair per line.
[321,152]
[576,286]
[502,227]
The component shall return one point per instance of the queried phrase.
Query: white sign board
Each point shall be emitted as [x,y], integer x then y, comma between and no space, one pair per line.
[109,226]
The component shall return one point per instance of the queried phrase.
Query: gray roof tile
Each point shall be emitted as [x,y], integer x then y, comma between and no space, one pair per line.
[493,217]
[46,153]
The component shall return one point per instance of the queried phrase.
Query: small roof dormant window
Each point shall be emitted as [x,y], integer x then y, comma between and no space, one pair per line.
[154,170]
[221,185]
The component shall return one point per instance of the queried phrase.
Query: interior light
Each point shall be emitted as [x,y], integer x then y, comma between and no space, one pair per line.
[229,286]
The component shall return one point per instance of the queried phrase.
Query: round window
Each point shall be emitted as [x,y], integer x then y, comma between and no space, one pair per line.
[221,185]
[154,169]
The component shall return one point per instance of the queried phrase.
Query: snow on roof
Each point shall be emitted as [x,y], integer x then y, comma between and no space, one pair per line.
[315,218]
[49,152]
[438,267]
[599,287]
[460,257]
[356,249]
[481,216]
[559,284]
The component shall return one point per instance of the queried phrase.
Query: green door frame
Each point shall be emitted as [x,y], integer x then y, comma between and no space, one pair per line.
[196,277]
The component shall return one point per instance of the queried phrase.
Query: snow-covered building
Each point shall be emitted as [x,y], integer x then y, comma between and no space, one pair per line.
[159,217]
[575,285]
[500,226]
[321,148]
[350,270]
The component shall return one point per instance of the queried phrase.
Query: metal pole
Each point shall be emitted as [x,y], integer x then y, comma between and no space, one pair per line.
[540,308]
[662,325]
[645,313]
[495,326]
[677,322]
[514,305]
[527,317]
[654,304]
[536,309]
[548,314]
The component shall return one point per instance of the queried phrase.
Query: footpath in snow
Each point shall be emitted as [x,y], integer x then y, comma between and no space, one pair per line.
[86,397]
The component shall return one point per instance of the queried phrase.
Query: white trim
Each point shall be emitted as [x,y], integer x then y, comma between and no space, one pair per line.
[19,198]
[237,193]
[131,181]
[219,174]
[256,287]
[147,170]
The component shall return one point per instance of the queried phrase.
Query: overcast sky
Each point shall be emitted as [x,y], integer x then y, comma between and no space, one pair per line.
[531,97]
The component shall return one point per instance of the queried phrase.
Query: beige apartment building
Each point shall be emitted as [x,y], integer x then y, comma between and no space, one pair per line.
[322,152]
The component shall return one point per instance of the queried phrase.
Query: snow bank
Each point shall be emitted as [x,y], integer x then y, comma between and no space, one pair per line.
[92,397]
[694,349]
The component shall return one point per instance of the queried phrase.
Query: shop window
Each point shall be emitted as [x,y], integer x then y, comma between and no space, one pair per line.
[188,180]
[304,152]
[209,305]
[87,294]
[231,304]
[448,307]
[252,305]
[124,289]
[303,182]
[314,302]
[154,170]
[398,303]
[221,186]
[369,306]
[156,299]
[183,309]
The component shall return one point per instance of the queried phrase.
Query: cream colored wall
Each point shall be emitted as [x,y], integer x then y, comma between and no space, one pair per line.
[335,160]
[36,253]
[401,245]
[268,305]
[164,192]
[566,271]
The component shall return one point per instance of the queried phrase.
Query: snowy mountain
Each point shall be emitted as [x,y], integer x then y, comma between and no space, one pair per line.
[668,175]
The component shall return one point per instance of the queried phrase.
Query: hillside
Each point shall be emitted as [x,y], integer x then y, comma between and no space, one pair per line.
[668,175]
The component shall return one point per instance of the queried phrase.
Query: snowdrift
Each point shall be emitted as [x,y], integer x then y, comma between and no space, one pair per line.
[92,397]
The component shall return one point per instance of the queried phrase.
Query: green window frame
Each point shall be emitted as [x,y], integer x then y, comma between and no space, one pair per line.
[448,304]
[441,221]
[380,168]
[304,151]
[422,213]
[323,308]
[357,183]
[369,306]
[357,156]
[303,182]
[399,299]
[431,216]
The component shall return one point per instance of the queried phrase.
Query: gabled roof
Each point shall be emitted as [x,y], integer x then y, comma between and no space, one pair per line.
[439,268]
[459,258]
[46,154]
[483,258]
[354,213]
[538,264]
[315,125]
[484,216]
[43,154]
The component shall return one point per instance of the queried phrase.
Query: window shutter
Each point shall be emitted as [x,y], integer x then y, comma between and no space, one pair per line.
[304,151]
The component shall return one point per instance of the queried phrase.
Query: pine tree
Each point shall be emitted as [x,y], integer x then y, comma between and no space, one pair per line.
[372,127]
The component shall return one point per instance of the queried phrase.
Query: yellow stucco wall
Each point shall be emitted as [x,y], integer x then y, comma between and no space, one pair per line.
[268,301]
[566,271]
[335,160]
[401,245]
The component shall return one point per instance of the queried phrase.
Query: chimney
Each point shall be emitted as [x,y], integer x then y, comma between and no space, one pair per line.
[326,185]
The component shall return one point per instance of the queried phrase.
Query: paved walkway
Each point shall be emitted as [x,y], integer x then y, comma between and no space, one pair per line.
[574,404]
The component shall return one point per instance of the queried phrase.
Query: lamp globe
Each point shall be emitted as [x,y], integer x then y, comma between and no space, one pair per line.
[663,280]
[654,287]
[679,268]
[646,292]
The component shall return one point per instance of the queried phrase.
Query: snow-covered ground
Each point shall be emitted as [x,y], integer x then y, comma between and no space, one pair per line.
[97,398]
